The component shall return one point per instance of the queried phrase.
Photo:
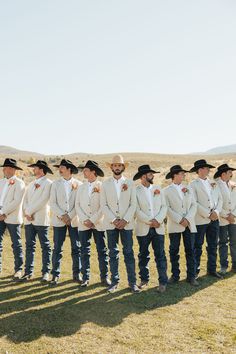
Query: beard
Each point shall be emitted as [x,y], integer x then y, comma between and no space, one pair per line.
[117,172]
[149,180]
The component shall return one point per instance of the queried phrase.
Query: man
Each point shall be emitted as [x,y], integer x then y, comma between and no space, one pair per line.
[181,210]
[227,217]
[118,202]
[62,202]
[12,191]
[88,209]
[209,205]
[150,214]
[37,220]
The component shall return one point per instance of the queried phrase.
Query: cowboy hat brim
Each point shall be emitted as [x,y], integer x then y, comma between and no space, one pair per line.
[144,172]
[172,173]
[196,168]
[109,164]
[9,165]
[219,172]
[43,167]
[98,170]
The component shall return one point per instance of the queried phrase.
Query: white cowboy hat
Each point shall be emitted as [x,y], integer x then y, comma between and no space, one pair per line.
[117,159]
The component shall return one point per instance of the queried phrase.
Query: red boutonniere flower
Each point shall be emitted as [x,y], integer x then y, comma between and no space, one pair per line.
[233,186]
[36,186]
[156,192]
[74,186]
[96,190]
[11,182]
[185,190]
[124,187]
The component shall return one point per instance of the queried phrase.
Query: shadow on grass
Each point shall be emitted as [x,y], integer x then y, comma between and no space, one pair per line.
[24,323]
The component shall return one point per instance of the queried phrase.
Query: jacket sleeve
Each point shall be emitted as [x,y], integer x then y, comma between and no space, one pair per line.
[41,202]
[104,206]
[204,212]
[132,206]
[17,200]
[171,213]
[81,214]
[53,202]
[193,208]
[163,211]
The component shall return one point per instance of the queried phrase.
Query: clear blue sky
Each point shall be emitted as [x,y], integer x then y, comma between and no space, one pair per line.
[117,75]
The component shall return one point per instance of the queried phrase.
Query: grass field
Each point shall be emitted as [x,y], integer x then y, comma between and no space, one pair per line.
[66,319]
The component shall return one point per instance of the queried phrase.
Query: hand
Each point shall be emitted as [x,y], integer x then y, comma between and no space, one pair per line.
[231,218]
[116,222]
[213,216]
[121,225]
[29,218]
[89,224]
[154,223]
[66,219]
[2,217]
[184,222]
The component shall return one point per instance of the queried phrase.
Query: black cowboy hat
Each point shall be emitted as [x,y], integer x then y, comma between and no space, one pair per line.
[143,170]
[200,164]
[43,165]
[11,163]
[93,166]
[223,168]
[175,170]
[68,164]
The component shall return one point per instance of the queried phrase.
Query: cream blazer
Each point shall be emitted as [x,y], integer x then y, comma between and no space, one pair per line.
[143,211]
[12,204]
[88,207]
[113,208]
[203,202]
[59,204]
[229,201]
[178,208]
[36,203]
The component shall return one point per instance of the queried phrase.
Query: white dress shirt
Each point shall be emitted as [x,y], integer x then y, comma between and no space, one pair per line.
[90,187]
[148,191]
[207,186]
[118,185]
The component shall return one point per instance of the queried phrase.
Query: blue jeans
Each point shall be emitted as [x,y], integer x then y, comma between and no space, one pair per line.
[188,239]
[211,231]
[99,238]
[59,236]
[227,236]
[31,231]
[126,237]
[15,233]
[157,242]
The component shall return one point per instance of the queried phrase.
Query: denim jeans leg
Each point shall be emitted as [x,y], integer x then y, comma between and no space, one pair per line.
[43,234]
[30,246]
[59,236]
[144,257]
[212,237]
[223,246]
[232,244]
[189,240]
[15,233]
[85,241]
[199,240]
[75,249]
[174,254]
[158,245]
[99,238]
[113,246]
[2,231]
[127,243]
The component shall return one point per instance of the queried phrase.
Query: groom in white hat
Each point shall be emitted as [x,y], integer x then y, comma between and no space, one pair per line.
[118,203]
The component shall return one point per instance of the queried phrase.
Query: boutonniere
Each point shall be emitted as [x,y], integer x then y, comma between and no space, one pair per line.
[11,182]
[74,186]
[96,190]
[233,186]
[124,187]
[185,190]
[156,192]
[213,184]
[37,185]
